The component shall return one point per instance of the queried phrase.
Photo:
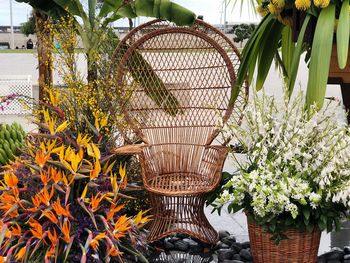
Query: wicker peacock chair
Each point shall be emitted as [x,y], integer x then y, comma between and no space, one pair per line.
[175,84]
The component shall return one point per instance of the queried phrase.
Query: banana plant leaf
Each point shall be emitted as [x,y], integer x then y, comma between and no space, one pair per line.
[153,85]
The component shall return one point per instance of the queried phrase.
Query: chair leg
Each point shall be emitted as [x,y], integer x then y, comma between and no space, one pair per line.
[180,214]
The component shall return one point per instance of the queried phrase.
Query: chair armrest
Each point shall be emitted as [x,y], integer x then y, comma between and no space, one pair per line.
[212,163]
[129,149]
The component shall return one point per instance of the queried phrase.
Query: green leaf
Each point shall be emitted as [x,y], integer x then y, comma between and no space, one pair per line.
[249,56]
[343,34]
[310,227]
[72,6]
[296,57]
[109,6]
[329,224]
[320,57]
[92,12]
[272,227]
[268,49]
[287,49]
[162,9]
[2,234]
[306,212]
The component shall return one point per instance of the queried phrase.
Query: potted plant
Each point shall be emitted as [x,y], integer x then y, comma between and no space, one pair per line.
[274,38]
[295,179]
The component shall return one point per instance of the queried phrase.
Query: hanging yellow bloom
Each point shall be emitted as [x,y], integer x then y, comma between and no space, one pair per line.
[302,4]
[262,11]
[321,3]
[278,3]
[273,9]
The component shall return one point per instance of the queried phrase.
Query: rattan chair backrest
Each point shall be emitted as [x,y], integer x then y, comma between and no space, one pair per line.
[175,82]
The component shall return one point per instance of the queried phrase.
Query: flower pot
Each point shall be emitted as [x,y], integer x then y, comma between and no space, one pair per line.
[334,70]
[300,247]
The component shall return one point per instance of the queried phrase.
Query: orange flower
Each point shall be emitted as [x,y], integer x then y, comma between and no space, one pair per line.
[36,229]
[59,209]
[55,175]
[96,171]
[51,216]
[51,252]
[6,198]
[36,200]
[2,259]
[41,158]
[65,229]
[95,201]
[11,179]
[45,177]
[113,210]
[16,230]
[53,237]
[45,197]
[20,254]
[121,227]
[6,207]
[95,242]
[113,252]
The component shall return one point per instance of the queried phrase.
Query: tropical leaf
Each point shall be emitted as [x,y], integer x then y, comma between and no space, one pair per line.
[343,34]
[162,9]
[109,6]
[47,6]
[249,56]
[268,49]
[92,12]
[72,6]
[320,57]
[296,57]
[287,48]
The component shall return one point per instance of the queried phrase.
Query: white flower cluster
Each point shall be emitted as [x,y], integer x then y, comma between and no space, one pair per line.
[293,158]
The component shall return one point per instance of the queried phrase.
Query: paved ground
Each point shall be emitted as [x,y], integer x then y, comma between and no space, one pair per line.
[26,64]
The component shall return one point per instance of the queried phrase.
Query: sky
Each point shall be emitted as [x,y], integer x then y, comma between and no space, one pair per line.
[210,9]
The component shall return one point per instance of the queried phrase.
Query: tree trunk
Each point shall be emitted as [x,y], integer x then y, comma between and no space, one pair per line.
[44,43]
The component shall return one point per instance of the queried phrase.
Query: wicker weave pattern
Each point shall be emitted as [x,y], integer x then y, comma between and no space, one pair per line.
[175,84]
[301,247]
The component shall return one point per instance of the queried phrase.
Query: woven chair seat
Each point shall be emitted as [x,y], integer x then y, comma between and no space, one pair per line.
[179,183]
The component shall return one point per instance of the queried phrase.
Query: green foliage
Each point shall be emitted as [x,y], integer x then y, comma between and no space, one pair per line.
[29,27]
[318,54]
[11,140]
[321,57]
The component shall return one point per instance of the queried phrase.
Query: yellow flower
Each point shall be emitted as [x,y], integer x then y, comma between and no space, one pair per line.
[321,3]
[274,10]
[262,11]
[20,254]
[96,171]
[62,127]
[11,179]
[54,97]
[302,4]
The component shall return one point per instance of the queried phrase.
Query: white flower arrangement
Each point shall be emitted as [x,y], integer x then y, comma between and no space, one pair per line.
[297,172]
